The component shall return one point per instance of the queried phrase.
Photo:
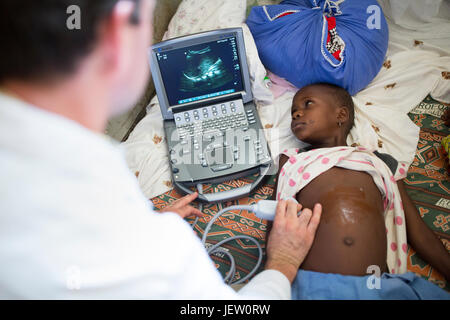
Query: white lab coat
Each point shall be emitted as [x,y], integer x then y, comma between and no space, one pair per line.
[75,225]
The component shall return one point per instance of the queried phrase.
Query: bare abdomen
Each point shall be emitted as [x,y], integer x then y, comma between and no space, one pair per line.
[352,233]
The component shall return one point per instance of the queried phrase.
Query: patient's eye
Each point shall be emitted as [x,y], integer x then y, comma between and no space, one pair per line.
[307,103]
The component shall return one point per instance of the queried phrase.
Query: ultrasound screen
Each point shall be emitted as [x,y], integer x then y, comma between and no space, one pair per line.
[201,71]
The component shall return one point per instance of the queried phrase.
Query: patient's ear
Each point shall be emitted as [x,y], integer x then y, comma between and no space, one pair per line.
[343,114]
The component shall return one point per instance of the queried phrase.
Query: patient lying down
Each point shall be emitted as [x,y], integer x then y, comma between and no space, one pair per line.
[367,215]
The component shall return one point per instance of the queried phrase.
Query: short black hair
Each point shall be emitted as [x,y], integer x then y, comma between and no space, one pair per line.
[36,42]
[343,99]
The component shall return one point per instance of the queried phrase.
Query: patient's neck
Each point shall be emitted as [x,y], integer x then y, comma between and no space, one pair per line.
[334,141]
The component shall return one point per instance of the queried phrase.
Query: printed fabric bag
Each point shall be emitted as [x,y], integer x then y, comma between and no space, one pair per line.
[343,42]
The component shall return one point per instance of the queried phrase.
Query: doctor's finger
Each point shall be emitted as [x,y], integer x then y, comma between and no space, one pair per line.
[305,217]
[280,211]
[189,210]
[185,200]
[292,209]
[315,219]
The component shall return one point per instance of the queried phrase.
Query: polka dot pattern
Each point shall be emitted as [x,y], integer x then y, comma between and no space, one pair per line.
[393,246]
[301,168]
[405,248]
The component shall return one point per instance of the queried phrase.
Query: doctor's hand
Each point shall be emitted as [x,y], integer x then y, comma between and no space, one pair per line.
[291,237]
[182,207]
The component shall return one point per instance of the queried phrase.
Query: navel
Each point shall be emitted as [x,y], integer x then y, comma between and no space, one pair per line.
[348,241]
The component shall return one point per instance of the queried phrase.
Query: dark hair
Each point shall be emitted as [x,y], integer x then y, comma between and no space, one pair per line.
[343,99]
[36,42]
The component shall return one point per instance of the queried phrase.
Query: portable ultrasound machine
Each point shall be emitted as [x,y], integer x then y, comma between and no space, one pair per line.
[211,124]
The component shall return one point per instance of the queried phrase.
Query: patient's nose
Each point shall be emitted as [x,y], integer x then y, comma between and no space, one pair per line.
[297,114]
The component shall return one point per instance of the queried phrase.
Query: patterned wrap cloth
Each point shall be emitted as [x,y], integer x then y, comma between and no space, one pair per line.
[302,168]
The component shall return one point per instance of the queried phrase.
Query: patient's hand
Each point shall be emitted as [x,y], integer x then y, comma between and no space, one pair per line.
[182,207]
[291,237]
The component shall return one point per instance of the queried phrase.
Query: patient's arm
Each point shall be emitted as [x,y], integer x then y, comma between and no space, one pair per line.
[422,239]
[283,159]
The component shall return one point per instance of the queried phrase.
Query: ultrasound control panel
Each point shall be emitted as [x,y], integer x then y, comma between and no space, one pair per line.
[223,138]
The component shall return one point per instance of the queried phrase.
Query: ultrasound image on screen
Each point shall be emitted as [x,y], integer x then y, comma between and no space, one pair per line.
[202,71]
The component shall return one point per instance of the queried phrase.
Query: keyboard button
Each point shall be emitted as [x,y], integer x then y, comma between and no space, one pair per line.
[263,158]
[214,146]
[221,167]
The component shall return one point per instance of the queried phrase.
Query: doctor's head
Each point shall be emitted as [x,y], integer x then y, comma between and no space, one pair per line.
[101,42]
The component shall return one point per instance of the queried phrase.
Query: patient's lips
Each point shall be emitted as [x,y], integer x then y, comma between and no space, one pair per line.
[298,125]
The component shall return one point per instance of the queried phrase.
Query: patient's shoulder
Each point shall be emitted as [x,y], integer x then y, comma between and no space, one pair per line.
[390,161]
[282,160]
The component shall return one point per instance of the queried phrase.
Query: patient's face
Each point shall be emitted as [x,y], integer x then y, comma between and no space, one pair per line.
[313,114]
